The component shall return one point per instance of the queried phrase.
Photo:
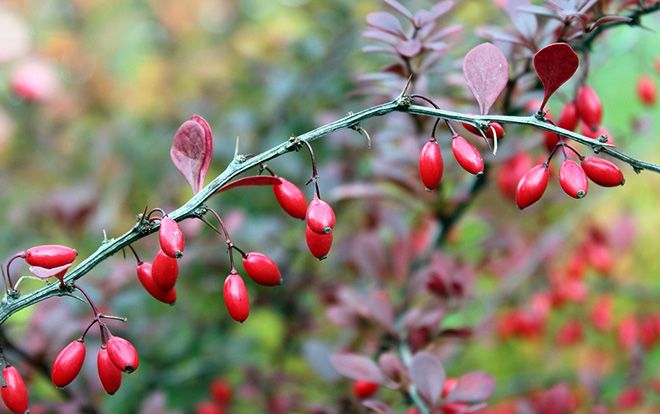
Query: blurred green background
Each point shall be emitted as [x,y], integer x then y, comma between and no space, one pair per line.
[120,76]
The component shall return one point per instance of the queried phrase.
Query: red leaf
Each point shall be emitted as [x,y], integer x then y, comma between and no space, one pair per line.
[252,180]
[555,64]
[486,72]
[192,149]
[428,375]
[472,387]
[357,367]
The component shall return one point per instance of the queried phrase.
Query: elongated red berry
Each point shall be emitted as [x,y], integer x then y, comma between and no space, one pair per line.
[123,354]
[532,185]
[512,171]
[262,269]
[572,179]
[467,155]
[499,130]
[68,363]
[646,90]
[147,281]
[319,244]
[109,374]
[602,172]
[164,271]
[171,239]
[14,394]
[221,391]
[320,217]
[291,198]
[430,165]
[364,389]
[50,256]
[236,297]
[589,107]
[568,117]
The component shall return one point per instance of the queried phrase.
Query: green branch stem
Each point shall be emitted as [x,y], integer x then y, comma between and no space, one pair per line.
[196,208]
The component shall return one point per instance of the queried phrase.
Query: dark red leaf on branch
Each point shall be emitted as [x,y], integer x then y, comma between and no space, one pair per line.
[253,180]
[472,387]
[357,367]
[192,150]
[486,71]
[428,375]
[555,64]
[609,19]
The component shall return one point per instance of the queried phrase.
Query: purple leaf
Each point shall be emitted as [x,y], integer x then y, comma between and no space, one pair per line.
[44,273]
[386,22]
[392,366]
[427,375]
[378,406]
[610,19]
[252,180]
[357,367]
[445,32]
[192,149]
[400,8]
[380,36]
[472,387]
[424,17]
[539,10]
[486,72]
[555,64]
[409,48]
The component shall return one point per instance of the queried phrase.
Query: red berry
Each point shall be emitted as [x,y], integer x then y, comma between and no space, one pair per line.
[629,399]
[146,279]
[164,271]
[50,256]
[467,155]
[171,239]
[318,244]
[291,198]
[568,118]
[262,269]
[454,408]
[499,130]
[236,297]
[550,140]
[589,107]
[449,385]
[646,90]
[14,395]
[123,354]
[109,374]
[430,165]
[512,171]
[68,363]
[320,216]
[602,172]
[572,179]
[208,407]
[221,391]
[532,186]
[364,389]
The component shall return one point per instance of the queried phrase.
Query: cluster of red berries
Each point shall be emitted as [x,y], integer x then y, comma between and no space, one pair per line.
[468,157]
[115,356]
[318,215]
[220,392]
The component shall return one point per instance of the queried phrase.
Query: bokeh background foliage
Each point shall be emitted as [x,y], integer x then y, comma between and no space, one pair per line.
[89,156]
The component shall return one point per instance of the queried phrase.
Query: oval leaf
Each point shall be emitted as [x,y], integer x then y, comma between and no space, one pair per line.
[428,375]
[486,72]
[192,149]
[472,387]
[555,64]
[44,273]
[357,367]
[252,180]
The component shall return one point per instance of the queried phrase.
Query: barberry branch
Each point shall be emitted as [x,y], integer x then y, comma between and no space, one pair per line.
[196,208]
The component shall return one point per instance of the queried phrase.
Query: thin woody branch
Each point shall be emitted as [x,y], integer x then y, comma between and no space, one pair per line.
[195,207]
